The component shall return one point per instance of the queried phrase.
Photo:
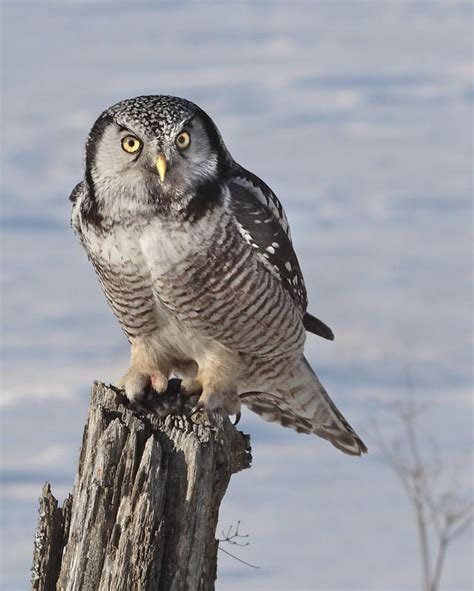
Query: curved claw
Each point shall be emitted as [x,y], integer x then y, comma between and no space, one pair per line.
[196,408]
[249,394]
[237,418]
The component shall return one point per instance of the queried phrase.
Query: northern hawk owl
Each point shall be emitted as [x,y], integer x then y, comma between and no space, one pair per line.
[194,255]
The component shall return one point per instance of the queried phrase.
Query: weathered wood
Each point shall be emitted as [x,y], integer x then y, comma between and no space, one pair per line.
[53,526]
[145,504]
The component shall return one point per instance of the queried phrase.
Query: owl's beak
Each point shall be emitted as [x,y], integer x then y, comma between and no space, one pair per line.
[161,166]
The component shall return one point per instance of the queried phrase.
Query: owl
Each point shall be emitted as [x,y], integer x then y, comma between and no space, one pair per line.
[195,258]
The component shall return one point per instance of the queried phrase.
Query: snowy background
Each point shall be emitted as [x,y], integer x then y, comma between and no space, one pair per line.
[369,104]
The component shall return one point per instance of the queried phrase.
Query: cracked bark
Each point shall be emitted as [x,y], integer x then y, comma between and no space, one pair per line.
[145,504]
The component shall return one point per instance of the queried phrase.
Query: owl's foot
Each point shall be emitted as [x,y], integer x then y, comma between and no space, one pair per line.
[191,387]
[212,402]
[135,385]
[159,382]
[146,400]
[140,387]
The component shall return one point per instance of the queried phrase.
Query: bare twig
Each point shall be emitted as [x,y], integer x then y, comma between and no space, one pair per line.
[233,537]
[441,514]
[238,559]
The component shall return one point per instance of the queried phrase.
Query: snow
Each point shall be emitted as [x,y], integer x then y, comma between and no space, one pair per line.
[359,116]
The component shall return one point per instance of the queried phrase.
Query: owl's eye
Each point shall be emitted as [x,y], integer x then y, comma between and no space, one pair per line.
[131,144]
[183,140]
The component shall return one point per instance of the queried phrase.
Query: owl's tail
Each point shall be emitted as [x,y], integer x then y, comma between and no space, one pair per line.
[305,406]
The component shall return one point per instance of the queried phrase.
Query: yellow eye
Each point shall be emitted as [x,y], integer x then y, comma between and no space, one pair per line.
[131,144]
[183,140]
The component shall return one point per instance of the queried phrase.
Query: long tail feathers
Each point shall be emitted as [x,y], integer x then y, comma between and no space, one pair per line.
[305,406]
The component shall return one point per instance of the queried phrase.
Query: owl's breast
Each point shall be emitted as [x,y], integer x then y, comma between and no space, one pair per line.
[166,245]
[211,281]
[118,246]
[125,278]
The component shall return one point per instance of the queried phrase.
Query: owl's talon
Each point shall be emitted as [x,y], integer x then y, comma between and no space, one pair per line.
[198,407]
[205,417]
[249,394]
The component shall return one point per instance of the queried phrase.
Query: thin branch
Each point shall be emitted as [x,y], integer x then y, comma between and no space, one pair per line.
[439,563]
[421,474]
[238,559]
[462,527]
[233,537]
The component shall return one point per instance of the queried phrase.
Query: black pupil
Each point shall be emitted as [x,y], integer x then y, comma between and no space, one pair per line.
[131,143]
[182,139]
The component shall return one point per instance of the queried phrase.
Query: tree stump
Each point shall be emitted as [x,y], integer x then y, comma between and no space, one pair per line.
[145,505]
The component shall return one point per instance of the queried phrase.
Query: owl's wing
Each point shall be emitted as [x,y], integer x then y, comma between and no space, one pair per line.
[264,233]
[78,194]
[263,224]
[262,192]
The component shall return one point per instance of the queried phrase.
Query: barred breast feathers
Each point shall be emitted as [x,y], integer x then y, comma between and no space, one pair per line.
[211,280]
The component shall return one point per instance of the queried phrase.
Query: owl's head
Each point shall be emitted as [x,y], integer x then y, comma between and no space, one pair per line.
[159,152]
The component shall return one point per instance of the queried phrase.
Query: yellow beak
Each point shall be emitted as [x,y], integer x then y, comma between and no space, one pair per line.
[161,166]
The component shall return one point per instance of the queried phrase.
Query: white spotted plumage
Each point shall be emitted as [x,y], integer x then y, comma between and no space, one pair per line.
[198,266]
